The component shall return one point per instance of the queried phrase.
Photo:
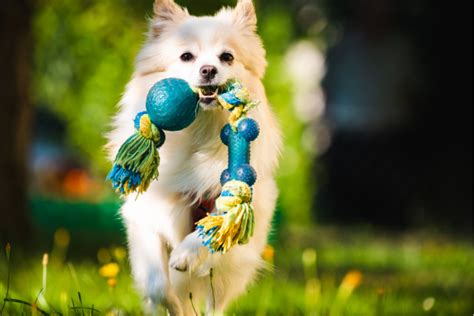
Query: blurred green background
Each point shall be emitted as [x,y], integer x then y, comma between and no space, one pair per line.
[374,98]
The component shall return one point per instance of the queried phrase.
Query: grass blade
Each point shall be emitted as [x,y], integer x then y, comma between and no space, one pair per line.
[82,309]
[32,306]
[80,301]
[8,249]
[211,280]
[192,303]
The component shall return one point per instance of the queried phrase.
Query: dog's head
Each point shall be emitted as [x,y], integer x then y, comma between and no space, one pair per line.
[204,51]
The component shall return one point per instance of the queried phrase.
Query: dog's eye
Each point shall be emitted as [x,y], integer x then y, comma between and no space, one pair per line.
[187,57]
[227,58]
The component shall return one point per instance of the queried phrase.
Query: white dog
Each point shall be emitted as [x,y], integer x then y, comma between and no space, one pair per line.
[167,257]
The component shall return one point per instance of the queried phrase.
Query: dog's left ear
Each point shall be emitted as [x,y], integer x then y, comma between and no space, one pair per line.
[245,16]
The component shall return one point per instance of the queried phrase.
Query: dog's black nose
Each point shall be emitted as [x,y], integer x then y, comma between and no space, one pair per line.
[208,72]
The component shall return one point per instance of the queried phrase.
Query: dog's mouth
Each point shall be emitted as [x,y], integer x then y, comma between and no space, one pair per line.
[208,94]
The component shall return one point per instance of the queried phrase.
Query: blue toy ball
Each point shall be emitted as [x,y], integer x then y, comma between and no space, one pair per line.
[172,105]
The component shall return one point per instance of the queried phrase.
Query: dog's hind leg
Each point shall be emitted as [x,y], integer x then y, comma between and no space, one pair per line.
[149,256]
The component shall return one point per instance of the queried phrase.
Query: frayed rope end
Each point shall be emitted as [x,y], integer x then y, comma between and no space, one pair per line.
[235,222]
[137,161]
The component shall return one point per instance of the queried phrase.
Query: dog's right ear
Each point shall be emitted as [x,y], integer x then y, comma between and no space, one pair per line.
[245,15]
[166,13]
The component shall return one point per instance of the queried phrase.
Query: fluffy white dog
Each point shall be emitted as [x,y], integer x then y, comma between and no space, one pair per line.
[167,257]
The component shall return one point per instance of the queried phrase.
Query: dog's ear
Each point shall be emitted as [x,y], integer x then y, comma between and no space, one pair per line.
[245,15]
[167,12]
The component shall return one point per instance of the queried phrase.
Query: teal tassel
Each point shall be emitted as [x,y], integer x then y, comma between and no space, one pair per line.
[137,161]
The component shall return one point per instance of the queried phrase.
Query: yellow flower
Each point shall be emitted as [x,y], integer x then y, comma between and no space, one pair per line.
[352,280]
[120,253]
[268,253]
[112,282]
[110,270]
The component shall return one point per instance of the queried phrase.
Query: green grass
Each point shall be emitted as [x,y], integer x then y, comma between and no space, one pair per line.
[402,274]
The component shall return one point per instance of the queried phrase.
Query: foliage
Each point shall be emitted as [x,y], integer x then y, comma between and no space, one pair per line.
[84,54]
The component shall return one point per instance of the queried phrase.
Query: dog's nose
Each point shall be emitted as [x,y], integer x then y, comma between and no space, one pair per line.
[208,72]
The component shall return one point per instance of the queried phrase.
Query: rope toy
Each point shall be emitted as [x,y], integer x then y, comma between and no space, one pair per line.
[234,221]
[172,105]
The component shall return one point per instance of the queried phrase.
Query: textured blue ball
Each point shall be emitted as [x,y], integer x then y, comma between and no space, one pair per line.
[172,105]
[247,174]
[249,129]
[225,177]
[225,134]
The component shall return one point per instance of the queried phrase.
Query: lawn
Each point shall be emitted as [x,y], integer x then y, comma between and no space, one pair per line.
[317,271]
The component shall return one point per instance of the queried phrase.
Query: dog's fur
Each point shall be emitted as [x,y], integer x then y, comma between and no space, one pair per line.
[167,257]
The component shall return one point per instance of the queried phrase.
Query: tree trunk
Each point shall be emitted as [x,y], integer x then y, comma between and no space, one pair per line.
[15,117]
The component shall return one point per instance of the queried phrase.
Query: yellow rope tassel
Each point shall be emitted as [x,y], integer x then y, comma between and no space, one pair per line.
[148,129]
[237,102]
[234,224]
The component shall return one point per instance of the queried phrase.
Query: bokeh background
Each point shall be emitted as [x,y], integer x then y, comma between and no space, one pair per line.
[375,101]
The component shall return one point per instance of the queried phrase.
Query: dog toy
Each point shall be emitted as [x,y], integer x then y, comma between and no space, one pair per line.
[172,105]
[234,221]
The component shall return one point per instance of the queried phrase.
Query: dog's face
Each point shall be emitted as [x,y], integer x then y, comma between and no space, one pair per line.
[204,51]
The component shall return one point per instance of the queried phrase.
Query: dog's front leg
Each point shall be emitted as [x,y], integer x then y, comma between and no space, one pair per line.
[149,256]
[191,256]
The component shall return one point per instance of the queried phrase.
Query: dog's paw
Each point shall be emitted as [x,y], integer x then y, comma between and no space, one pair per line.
[189,256]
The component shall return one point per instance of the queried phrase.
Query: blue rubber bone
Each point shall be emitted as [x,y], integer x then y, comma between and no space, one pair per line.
[238,142]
